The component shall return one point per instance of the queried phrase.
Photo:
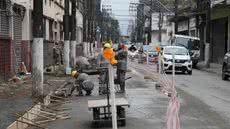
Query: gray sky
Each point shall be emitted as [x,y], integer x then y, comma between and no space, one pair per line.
[121,7]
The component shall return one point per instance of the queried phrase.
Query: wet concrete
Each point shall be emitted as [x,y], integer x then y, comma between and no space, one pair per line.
[9,107]
[148,106]
[21,100]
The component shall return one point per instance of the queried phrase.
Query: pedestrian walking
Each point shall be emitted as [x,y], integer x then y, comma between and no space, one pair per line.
[121,55]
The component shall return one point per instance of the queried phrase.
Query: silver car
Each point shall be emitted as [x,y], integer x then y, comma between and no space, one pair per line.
[183,60]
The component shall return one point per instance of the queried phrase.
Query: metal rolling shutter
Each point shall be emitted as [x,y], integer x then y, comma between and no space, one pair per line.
[18,39]
[218,40]
[4,24]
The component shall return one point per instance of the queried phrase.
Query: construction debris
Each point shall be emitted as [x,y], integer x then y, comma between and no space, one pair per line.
[22,70]
[52,109]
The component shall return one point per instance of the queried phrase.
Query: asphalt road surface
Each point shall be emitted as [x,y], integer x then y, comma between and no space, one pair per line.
[204,102]
[204,97]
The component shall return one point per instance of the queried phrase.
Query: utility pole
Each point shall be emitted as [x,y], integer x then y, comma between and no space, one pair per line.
[208,34]
[150,31]
[66,36]
[37,50]
[73,34]
[160,24]
[176,15]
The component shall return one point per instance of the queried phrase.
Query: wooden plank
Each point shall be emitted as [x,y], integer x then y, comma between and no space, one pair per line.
[25,118]
[64,117]
[48,113]
[58,97]
[45,121]
[62,109]
[43,116]
[31,124]
[103,103]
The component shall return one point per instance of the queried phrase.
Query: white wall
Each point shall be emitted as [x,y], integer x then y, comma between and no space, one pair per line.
[47,30]
[26,27]
[53,11]
[79,27]
[155,38]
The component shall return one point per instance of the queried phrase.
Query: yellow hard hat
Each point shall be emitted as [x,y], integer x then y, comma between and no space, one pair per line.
[74,73]
[107,45]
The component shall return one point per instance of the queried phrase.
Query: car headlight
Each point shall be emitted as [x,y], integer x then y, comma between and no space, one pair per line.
[167,60]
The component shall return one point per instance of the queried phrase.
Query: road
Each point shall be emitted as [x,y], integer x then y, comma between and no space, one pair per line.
[203,97]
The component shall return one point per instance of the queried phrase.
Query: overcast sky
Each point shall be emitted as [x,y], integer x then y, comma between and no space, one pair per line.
[121,7]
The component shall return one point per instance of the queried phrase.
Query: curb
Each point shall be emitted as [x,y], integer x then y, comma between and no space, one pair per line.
[208,70]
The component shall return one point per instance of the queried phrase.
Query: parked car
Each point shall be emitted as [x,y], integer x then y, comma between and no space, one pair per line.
[226,67]
[153,54]
[183,60]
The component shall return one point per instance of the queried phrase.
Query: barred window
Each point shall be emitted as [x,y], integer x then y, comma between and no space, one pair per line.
[2,4]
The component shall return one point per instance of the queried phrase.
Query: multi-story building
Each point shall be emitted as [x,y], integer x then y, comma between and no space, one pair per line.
[16,32]
[193,21]
[160,33]
[12,49]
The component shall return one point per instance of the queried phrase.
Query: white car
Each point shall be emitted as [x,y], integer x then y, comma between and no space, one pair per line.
[183,60]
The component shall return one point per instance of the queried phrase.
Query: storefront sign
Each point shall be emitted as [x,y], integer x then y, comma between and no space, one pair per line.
[183,26]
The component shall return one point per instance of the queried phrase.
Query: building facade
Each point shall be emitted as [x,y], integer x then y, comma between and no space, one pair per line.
[213,31]
[16,32]
[12,49]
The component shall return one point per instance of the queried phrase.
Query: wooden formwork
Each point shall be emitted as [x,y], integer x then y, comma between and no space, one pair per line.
[48,111]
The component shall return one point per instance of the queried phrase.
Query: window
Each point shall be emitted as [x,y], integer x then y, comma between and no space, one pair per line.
[50,30]
[61,32]
[55,25]
[3,4]
[44,27]
[55,36]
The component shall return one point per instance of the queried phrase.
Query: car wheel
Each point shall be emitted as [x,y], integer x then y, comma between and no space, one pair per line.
[190,72]
[224,76]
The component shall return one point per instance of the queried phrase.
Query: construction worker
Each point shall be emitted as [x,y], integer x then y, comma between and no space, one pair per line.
[121,55]
[82,79]
[56,54]
[103,65]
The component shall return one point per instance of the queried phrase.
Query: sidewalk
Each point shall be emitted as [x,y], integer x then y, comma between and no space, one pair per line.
[214,68]
[148,107]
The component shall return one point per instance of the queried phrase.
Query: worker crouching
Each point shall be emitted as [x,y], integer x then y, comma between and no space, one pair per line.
[82,83]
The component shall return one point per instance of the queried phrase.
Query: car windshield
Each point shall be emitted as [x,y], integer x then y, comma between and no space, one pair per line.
[149,48]
[176,51]
[188,43]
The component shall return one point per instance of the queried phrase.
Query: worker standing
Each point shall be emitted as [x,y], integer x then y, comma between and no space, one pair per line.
[102,64]
[121,54]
